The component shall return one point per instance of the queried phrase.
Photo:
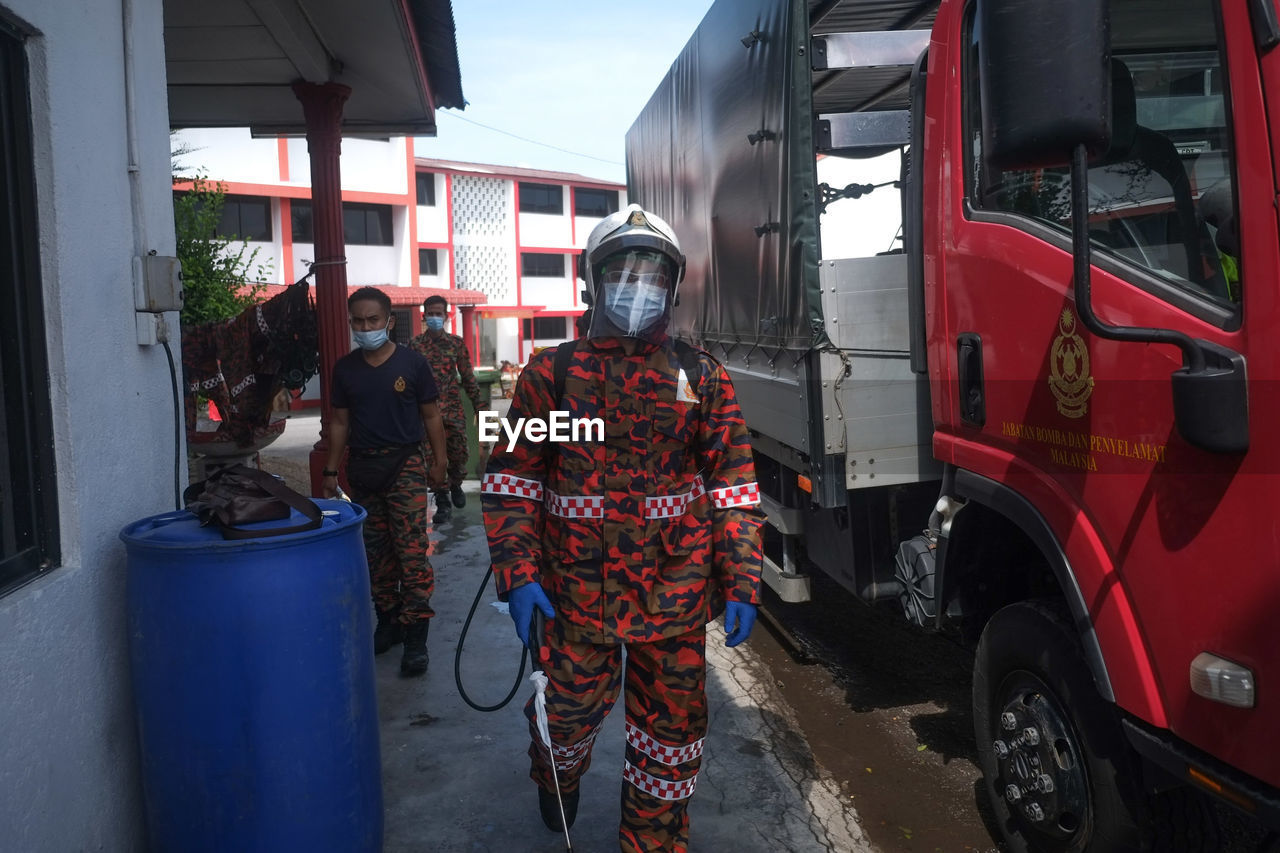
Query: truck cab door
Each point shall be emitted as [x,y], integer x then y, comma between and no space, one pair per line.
[1172,546]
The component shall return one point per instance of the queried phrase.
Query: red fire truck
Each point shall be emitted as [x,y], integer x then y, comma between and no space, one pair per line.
[1042,421]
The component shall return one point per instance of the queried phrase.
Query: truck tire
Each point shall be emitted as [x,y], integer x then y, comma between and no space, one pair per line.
[1058,772]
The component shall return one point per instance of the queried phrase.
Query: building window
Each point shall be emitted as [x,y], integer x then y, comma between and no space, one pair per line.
[545,328]
[535,264]
[426,189]
[594,202]
[427,262]
[28,500]
[541,198]
[362,224]
[245,217]
[402,331]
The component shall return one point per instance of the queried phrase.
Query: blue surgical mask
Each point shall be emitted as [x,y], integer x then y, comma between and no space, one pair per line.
[435,324]
[634,308]
[370,340]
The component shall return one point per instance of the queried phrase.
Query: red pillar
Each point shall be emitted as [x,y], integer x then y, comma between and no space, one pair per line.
[468,321]
[322,107]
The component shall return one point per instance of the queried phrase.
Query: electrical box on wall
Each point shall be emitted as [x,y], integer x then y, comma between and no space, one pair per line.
[157,284]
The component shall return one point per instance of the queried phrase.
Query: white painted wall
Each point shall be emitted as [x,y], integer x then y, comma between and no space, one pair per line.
[441,279]
[545,230]
[433,224]
[373,166]
[376,265]
[554,294]
[70,772]
[229,154]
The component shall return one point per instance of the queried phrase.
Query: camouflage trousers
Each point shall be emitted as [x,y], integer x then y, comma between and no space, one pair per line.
[666,721]
[396,543]
[455,451]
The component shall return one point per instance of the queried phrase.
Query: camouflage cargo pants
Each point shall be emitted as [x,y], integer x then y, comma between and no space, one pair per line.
[455,451]
[666,721]
[397,542]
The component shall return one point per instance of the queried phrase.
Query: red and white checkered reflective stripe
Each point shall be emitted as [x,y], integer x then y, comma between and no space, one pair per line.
[663,789]
[655,749]
[516,487]
[747,494]
[574,506]
[674,506]
[569,757]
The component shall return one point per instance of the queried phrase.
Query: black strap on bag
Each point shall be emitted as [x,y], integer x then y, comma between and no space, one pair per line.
[239,495]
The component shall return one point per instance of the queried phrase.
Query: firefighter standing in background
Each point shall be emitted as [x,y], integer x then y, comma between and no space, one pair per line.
[451,365]
[384,405]
[636,541]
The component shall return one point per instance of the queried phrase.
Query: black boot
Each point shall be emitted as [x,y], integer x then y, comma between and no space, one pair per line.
[415,659]
[388,633]
[459,499]
[550,809]
[443,512]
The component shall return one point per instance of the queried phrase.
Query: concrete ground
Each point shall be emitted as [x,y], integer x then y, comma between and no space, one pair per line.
[456,779]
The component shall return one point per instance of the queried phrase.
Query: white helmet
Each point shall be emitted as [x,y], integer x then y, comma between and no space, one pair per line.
[631,259]
[630,228]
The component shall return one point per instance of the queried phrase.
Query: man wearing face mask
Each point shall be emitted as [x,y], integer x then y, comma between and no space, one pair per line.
[634,542]
[451,366]
[384,403]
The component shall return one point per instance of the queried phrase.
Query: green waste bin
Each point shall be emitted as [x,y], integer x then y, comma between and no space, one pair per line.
[485,378]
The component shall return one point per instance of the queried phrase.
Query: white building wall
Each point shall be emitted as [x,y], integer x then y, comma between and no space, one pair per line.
[433,223]
[546,230]
[70,772]
[373,166]
[484,237]
[375,265]
[228,154]
[554,294]
[232,154]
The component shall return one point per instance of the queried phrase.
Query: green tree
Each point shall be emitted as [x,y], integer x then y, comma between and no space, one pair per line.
[221,276]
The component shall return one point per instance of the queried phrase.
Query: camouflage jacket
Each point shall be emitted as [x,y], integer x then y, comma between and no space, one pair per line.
[451,365]
[640,536]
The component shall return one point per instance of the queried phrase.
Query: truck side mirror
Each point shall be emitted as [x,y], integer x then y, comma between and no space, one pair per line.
[1045,80]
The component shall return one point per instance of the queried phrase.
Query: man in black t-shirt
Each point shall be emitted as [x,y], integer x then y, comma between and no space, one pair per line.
[384,403]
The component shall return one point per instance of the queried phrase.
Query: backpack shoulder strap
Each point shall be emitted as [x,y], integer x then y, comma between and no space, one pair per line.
[560,369]
[691,362]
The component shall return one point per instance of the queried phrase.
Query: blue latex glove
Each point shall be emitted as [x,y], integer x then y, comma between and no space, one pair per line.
[738,621]
[522,600]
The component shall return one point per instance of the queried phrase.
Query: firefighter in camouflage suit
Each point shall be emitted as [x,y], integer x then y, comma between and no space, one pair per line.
[635,541]
[451,365]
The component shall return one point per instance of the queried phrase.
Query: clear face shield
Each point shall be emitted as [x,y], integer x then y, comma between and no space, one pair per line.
[633,295]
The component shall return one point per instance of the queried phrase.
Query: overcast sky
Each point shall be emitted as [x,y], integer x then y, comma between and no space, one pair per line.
[568,74]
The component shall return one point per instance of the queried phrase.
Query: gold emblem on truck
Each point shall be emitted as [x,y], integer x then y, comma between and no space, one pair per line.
[1069,378]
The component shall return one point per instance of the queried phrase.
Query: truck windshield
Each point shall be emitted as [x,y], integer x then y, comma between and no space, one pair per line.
[1162,197]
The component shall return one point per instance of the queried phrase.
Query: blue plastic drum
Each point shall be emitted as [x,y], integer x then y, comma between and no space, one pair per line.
[254,683]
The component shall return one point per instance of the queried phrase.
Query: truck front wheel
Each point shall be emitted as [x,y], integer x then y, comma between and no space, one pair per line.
[1059,775]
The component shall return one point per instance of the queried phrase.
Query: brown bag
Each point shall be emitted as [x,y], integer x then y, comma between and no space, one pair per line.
[239,495]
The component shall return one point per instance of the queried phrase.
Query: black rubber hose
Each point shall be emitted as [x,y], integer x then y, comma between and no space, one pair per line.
[457,656]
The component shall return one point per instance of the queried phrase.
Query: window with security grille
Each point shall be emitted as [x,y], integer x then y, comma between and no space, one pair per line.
[541,198]
[28,497]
